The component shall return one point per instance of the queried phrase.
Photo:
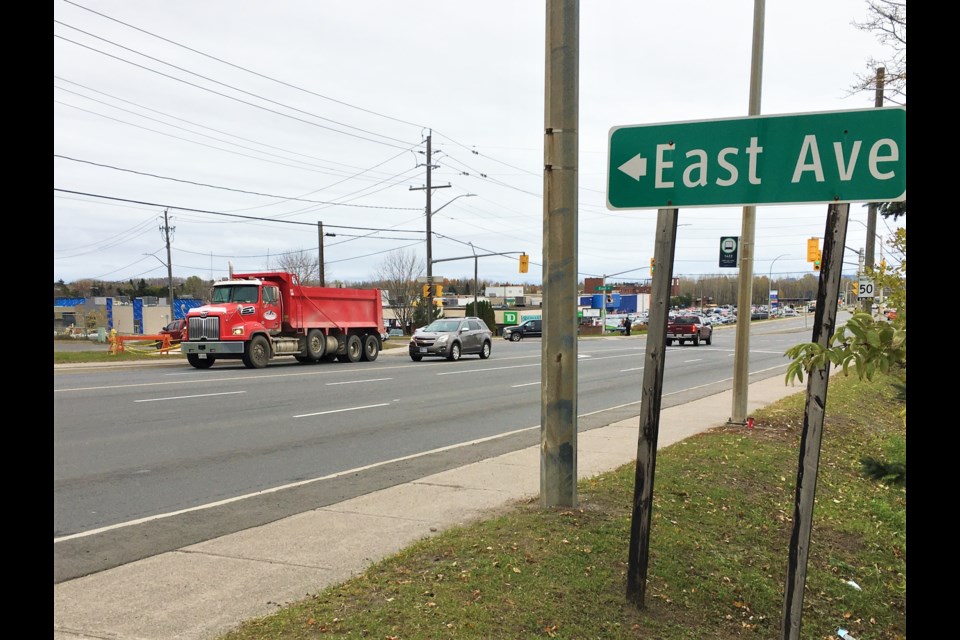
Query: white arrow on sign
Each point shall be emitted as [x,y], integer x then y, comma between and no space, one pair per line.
[635,167]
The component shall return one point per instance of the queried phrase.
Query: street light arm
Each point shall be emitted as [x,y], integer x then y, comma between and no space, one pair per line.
[462,195]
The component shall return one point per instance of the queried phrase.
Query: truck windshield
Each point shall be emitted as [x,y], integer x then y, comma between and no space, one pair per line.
[236,293]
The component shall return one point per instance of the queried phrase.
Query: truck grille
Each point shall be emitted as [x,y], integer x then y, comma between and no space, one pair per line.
[203,329]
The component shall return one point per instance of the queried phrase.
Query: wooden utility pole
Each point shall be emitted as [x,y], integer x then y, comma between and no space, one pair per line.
[650,398]
[166,229]
[869,256]
[323,281]
[429,210]
[558,349]
[824,325]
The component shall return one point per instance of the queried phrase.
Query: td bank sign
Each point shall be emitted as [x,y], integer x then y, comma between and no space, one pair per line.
[831,157]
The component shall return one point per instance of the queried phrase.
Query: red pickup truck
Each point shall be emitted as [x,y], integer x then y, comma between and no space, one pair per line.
[692,328]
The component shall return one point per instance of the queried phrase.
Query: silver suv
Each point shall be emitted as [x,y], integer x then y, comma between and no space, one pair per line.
[450,338]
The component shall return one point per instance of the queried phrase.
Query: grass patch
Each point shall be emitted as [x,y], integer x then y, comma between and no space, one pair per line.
[721,522]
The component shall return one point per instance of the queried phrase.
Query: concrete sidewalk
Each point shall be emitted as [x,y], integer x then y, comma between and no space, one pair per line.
[201,591]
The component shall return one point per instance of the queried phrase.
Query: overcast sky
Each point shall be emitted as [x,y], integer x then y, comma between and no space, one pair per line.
[251,122]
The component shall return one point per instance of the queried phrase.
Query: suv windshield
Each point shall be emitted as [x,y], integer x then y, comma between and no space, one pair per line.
[442,326]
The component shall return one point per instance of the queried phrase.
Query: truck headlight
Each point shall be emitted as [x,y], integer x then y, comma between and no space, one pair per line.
[238,331]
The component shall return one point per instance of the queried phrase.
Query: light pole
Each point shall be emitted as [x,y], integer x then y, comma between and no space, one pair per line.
[770,281]
[169,281]
[430,260]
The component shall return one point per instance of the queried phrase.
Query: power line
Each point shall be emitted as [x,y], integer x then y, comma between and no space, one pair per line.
[256,106]
[235,66]
[231,215]
[212,186]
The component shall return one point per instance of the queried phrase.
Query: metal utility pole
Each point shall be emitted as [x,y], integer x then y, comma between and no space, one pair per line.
[558,349]
[166,230]
[741,354]
[429,189]
[872,207]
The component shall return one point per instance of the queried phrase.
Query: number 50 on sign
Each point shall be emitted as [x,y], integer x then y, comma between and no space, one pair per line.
[865,288]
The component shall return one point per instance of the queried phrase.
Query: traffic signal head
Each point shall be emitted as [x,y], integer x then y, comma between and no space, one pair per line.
[651,266]
[439,289]
[426,290]
[524,263]
[816,265]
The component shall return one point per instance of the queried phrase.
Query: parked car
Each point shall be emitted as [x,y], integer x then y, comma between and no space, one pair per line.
[175,330]
[530,328]
[450,338]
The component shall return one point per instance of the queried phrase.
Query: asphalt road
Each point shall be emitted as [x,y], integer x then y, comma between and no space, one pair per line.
[150,458]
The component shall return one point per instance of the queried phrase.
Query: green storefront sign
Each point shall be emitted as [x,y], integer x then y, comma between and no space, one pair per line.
[830,157]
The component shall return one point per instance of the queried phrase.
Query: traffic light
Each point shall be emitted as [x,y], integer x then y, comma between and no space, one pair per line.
[816,264]
[524,263]
[426,291]
[439,289]
[651,266]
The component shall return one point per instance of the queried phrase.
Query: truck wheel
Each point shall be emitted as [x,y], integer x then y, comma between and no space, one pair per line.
[454,351]
[257,354]
[669,342]
[371,348]
[516,337]
[316,344]
[709,339]
[485,350]
[354,349]
[696,340]
[197,363]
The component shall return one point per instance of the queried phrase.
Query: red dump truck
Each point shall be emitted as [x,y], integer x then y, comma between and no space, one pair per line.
[255,317]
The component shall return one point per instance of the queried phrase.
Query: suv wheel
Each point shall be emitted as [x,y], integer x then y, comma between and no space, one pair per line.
[485,350]
[454,351]
[515,337]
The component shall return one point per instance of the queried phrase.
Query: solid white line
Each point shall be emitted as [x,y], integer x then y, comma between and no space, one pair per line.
[519,366]
[203,507]
[527,384]
[631,369]
[330,384]
[694,360]
[323,413]
[204,395]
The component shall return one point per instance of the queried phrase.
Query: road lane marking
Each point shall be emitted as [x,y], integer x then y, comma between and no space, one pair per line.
[519,366]
[330,384]
[202,395]
[526,384]
[631,369]
[323,413]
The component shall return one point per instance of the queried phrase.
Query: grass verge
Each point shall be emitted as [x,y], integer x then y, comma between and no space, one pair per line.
[719,540]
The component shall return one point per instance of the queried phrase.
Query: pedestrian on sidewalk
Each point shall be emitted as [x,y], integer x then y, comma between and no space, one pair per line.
[626,325]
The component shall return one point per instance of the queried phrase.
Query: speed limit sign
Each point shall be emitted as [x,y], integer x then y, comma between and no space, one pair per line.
[865,288]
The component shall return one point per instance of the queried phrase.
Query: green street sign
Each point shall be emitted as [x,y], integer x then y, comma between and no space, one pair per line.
[829,157]
[605,287]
